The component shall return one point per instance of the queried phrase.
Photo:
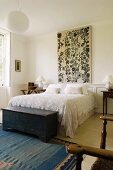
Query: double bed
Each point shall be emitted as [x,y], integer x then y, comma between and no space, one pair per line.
[73,106]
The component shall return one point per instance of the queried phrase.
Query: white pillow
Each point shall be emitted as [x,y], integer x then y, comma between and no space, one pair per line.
[73,90]
[61,86]
[84,86]
[52,90]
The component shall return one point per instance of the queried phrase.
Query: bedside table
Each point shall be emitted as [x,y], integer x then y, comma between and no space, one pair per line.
[106,95]
[36,90]
[40,90]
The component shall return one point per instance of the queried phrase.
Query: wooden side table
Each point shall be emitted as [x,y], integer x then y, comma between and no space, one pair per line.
[36,90]
[25,91]
[40,90]
[106,95]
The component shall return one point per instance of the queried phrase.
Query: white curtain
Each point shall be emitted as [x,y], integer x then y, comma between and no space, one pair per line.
[4,96]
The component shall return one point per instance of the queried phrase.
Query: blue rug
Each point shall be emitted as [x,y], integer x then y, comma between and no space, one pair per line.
[23,152]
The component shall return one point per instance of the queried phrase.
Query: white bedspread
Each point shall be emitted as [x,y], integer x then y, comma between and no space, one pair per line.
[72,109]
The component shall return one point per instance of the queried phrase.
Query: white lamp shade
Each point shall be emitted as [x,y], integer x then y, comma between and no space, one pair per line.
[17,22]
[40,79]
[108,79]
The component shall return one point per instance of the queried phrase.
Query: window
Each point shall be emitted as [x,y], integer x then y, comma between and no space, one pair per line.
[1,57]
[4,58]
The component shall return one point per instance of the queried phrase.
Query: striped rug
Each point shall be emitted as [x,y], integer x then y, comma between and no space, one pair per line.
[24,152]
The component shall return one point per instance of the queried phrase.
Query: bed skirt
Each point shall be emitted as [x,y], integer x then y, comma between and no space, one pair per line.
[61,130]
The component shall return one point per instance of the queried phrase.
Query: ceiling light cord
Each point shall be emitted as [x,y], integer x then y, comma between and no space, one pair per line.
[19,5]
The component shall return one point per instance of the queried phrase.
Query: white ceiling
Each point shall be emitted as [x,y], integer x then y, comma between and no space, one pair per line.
[53,15]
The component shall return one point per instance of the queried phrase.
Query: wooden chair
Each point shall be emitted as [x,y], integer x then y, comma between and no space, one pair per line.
[104,157]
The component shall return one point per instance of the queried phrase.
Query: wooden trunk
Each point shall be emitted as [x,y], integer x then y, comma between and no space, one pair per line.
[42,123]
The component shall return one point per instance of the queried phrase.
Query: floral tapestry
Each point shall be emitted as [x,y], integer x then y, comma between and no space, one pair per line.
[74,55]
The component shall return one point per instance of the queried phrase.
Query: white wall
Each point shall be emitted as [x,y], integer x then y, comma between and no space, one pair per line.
[18,52]
[43,54]
[43,58]
[102,51]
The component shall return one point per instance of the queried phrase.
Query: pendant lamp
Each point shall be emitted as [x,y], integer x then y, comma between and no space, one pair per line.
[17,21]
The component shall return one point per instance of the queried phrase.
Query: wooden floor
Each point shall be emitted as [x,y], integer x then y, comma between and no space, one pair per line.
[89,134]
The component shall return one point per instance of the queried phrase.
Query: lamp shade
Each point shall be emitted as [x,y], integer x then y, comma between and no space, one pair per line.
[108,79]
[17,22]
[40,79]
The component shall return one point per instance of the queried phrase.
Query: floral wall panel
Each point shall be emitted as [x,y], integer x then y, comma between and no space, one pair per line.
[74,55]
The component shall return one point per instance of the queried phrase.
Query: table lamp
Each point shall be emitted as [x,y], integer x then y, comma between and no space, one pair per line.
[108,80]
[40,81]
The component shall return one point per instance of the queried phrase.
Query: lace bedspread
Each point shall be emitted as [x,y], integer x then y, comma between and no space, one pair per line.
[72,109]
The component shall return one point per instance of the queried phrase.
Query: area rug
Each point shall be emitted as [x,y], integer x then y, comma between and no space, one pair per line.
[20,151]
